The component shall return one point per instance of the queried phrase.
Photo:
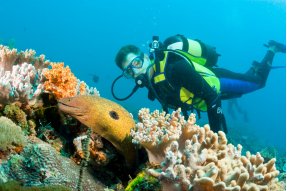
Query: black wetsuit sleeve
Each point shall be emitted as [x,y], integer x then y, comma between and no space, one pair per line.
[188,78]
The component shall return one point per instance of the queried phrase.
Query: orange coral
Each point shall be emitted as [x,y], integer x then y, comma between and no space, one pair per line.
[82,88]
[60,81]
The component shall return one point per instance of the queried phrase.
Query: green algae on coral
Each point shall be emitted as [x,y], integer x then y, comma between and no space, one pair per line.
[143,182]
[18,116]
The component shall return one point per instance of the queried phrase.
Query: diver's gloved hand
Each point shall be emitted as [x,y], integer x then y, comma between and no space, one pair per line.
[216,118]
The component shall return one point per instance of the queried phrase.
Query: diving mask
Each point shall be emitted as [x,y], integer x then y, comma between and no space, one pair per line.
[135,63]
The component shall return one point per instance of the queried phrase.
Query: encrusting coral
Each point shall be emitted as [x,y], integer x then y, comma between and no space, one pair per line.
[197,159]
[40,165]
[10,134]
[13,112]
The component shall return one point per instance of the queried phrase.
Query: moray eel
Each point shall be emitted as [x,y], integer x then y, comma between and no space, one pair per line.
[107,118]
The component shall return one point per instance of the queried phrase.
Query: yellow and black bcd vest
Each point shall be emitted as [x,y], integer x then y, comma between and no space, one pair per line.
[186,97]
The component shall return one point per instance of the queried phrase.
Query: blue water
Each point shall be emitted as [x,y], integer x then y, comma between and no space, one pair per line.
[87,34]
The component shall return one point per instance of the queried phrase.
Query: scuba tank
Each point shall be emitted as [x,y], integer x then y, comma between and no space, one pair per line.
[202,53]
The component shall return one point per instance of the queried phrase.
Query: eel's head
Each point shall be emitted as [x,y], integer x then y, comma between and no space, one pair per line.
[104,117]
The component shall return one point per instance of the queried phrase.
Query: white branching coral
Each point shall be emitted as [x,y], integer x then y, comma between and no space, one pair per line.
[22,83]
[20,74]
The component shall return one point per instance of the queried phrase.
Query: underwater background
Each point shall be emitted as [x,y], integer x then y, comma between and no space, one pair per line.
[87,34]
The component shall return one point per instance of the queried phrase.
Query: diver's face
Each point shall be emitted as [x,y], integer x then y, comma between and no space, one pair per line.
[134,65]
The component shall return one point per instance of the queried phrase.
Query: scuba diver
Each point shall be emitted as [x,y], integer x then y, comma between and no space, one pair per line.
[182,73]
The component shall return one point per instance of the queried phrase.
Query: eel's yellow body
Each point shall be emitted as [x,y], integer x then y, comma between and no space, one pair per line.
[107,118]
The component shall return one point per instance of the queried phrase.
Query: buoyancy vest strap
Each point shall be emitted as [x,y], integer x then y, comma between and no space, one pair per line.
[162,63]
[159,65]
[159,78]
[159,70]
[186,96]
[185,44]
[182,54]
[192,58]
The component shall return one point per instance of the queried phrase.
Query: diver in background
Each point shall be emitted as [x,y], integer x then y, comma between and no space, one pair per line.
[182,73]
[233,107]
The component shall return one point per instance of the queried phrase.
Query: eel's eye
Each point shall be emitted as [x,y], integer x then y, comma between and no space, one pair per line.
[114,115]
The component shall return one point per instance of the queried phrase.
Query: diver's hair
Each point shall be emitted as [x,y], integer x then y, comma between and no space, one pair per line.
[123,52]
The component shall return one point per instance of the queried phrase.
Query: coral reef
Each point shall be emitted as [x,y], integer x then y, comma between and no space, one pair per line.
[20,84]
[61,82]
[13,112]
[99,157]
[195,158]
[48,134]
[156,131]
[252,142]
[11,135]
[143,182]
[86,156]
[20,74]
[39,165]
[30,88]
[182,155]
[24,76]
[10,57]
[13,185]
